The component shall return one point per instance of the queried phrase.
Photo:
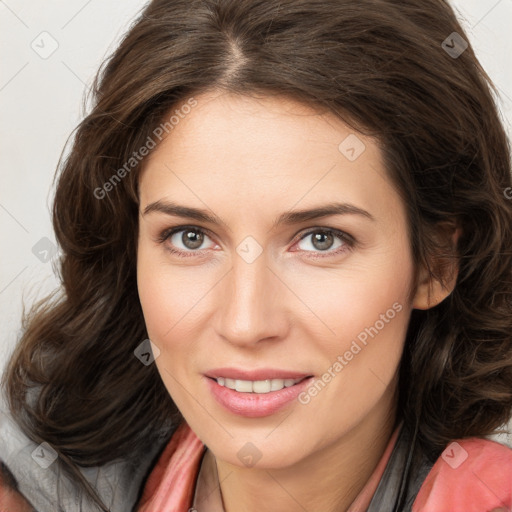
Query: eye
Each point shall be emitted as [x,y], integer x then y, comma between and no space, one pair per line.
[187,241]
[184,240]
[324,240]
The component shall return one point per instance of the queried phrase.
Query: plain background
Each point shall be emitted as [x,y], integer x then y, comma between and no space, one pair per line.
[50,52]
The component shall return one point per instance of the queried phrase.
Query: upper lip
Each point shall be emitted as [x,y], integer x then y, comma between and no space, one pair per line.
[259,374]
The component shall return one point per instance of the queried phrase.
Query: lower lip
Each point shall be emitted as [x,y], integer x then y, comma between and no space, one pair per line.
[255,405]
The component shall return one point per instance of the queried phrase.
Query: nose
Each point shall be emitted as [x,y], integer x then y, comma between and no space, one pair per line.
[252,304]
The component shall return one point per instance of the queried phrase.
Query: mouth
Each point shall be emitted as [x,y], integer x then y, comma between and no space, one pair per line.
[257,386]
[256,397]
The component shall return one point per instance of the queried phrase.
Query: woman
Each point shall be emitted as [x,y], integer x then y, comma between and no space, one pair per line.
[302,205]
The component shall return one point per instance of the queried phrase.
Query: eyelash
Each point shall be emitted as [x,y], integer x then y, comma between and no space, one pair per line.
[348,241]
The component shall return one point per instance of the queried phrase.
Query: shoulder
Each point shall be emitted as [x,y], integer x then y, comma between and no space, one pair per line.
[471,475]
[171,483]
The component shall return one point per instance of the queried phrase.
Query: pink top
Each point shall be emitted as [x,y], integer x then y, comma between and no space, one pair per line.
[472,475]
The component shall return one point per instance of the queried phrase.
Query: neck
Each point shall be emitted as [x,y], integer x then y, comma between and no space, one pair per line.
[327,480]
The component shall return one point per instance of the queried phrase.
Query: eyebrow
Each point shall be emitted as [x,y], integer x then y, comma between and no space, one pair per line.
[287,218]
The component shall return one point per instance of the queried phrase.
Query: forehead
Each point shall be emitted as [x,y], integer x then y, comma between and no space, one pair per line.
[272,126]
[266,152]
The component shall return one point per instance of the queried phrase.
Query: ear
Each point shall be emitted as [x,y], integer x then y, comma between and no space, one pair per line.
[431,290]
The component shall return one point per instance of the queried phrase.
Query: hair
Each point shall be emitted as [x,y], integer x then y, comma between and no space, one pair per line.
[380,66]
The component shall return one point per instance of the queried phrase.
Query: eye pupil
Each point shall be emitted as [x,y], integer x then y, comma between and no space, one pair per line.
[192,239]
[321,237]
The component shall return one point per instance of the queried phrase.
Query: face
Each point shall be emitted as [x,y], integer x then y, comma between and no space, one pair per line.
[243,291]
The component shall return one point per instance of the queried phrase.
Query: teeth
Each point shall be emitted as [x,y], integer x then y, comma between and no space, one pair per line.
[262,386]
[256,386]
[276,384]
[244,386]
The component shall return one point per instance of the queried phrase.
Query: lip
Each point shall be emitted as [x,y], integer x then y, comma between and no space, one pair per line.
[261,374]
[256,405]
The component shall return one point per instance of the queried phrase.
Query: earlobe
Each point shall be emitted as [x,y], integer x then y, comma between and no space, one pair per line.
[431,290]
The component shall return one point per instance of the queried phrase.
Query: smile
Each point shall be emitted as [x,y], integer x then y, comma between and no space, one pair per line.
[256,398]
[256,386]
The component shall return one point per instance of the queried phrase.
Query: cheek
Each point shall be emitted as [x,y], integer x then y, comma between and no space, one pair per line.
[172,297]
[368,309]
[165,299]
[154,286]
[352,297]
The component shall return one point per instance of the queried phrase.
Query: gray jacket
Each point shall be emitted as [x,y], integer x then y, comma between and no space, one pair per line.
[42,481]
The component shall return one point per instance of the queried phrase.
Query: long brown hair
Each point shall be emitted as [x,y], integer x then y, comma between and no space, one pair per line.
[392,69]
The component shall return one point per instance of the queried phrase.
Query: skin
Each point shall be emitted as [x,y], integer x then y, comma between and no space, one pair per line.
[248,160]
[10,499]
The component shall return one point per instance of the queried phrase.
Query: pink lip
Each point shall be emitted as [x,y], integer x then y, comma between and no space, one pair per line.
[255,405]
[261,374]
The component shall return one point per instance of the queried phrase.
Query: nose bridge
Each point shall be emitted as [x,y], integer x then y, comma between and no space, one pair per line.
[250,301]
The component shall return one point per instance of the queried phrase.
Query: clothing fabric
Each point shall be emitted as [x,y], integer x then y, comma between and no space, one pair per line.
[207,484]
[471,475]
[172,484]
[403,476]
[39,478]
